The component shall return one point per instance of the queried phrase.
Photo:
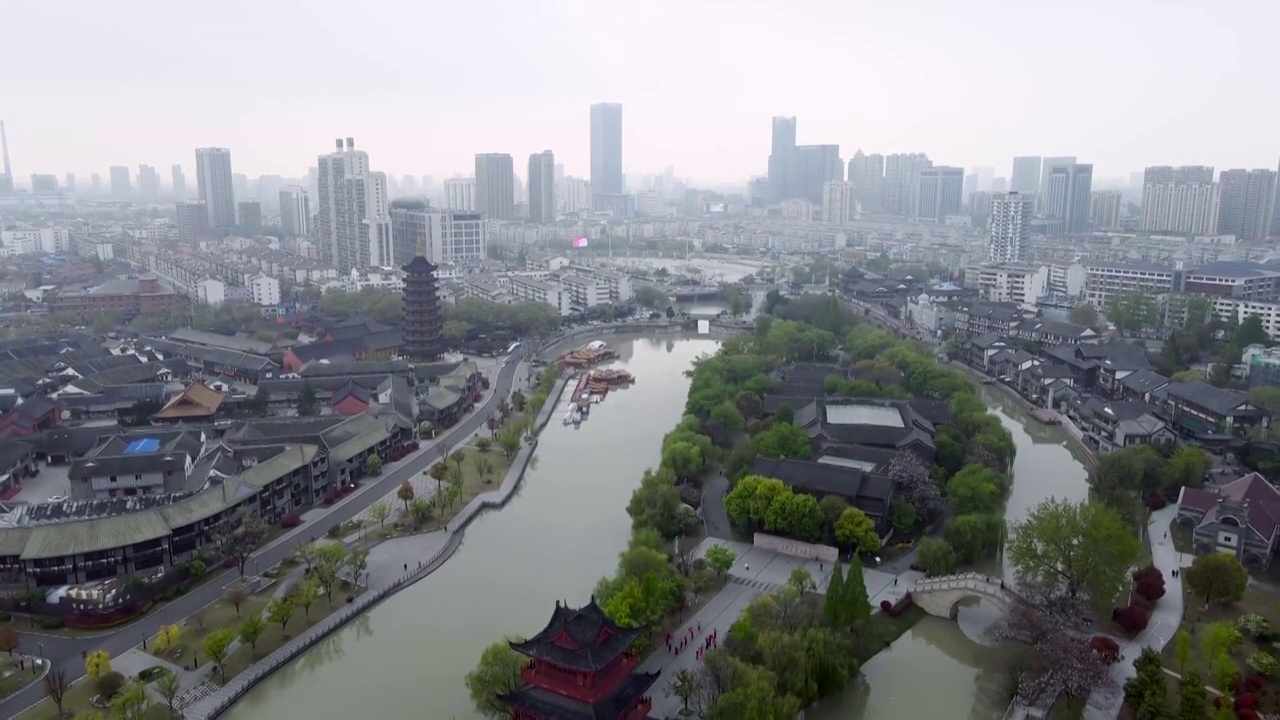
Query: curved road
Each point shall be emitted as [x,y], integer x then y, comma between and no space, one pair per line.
[66,652]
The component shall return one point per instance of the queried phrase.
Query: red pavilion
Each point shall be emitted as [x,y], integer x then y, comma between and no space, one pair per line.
[580,668]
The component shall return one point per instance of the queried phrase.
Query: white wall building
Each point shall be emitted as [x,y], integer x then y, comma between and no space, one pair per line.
[295,211]
[210,291]
[1010,225]
[1102,280]
[264,290]
[34,240]
[1021,284]
[460,194]
[573,195]
[837,202]
[530,290]
[585,291]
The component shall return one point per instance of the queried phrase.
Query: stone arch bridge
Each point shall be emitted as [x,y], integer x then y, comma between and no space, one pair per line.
[941,596]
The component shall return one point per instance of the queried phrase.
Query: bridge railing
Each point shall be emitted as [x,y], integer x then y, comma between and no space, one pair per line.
[965,581]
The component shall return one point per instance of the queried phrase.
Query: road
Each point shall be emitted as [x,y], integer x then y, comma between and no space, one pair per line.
[66,652]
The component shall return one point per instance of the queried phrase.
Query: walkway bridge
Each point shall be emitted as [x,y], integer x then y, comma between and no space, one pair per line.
[941,596]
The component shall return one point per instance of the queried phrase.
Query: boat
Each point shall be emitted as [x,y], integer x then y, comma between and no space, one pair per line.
[589,355]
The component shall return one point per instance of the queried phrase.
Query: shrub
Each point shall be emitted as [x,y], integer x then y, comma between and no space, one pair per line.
[1247,700]
[1247,714]
[1154,501]
[151,673]
[1264,664]
[109,683]
[1106,647]
[1254,683]
[1132,619]
[1254,625]
[1149,582]
[291,521]
[886,606]
[50,623]
[229,563]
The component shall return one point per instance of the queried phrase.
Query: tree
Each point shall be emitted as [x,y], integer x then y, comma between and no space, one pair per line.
[1187,467]
[420,510]
[439,472]
[1217,576]
[1182,648]
[902,516]
[305,552]
[9,639]
[236,596]
[914,484]
[243,538]
[831,605]
[1082,549]
[784,440]
[168,636]
[373,464]
[280,610]
[975,489]
[131,702]
[483,444]
[1085,314]
[405,494]
[458,457]
[683,686]
[215,647]
[168,687]
[109,683]
[1147,691]
[251,629]
[1250,331]
[857,531]
[854,600]
[304,596]
[935,556]
[97,664]
[307,403]
[497,673]
[1193,699]
[329,562]
[801,580]
[720,559]
[379,512]
[509,442]
[483,466]
[55,688]
[974,537]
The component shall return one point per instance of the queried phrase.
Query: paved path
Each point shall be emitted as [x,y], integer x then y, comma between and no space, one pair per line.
[66,652]
[715,519]
[1165,619]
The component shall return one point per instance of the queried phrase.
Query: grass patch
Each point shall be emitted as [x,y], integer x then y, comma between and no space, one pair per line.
[217,616]
[13,678]
[1196,618]
[77,701]
[882,630]
[472,485]
[273,636]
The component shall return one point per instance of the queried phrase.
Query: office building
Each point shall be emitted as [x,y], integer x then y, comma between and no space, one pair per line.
[44,184]
[781,153]
[1104,209]
[606,151]
[6,179]
[901,179]
[214,183]
[837,201]
[70,182]
[813,166]
[574,195]
[121,183]
[1182,200]
[1068,197]
[495,186]
[179,182]
[441,236]
[940,192]
[980,208]
[1000,184]
[1026,175]
[460,194]
[866,174]
[1275,207]
[1246,203]
[249,213]
[353,227]
[193,220]
[1046,167]
[1010,226]
[148,183]
[295,212]
[542,187]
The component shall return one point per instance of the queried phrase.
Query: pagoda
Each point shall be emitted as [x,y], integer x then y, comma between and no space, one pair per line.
[580,668]
[422,320]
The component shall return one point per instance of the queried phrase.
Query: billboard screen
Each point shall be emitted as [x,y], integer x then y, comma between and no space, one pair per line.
[579,242]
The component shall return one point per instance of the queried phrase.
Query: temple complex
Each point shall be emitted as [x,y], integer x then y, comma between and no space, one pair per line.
[580,668]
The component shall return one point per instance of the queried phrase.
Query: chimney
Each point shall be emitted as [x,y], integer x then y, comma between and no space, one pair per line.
[338,143]
[351,143]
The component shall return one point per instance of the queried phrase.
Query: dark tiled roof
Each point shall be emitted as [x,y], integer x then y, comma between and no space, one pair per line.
[579,639]
[12,453]
[1263,501]
[1218,400]
[1144,381]
[870,492]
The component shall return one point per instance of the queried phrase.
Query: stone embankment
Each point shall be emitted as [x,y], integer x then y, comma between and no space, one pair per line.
[217,703]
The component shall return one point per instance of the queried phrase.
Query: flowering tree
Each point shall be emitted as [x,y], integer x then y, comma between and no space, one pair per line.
[1064,660]
[914,483]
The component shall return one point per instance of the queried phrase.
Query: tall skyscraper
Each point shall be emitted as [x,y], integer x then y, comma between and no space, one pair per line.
[1182,200]
[179,182]
[148,183]
[940,193]
[1026,175]
[606,151]
[496,185]
[542,187]
[1046,167]
[353,227]
[121,183]
[1069,196]
[1010,225]
[901,179]
[866,174]
[249,215]
[193,220]
[812,167]
[1104,210]
[6,179]
[1247,201]
[295,211]
[214,182]
[460,194]
[837,201]
[782,152]
[1275,206]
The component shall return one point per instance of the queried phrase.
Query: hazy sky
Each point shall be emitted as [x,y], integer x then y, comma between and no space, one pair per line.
[423,86]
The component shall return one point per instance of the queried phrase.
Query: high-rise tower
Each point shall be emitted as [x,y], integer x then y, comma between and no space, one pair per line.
[495,186]
[214,183]
[1010,226]
[606,152]
[6,181]
[542,187]
[1247,203]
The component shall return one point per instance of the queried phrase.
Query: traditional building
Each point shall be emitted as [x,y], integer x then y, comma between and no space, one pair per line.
[423,321]
[580,668]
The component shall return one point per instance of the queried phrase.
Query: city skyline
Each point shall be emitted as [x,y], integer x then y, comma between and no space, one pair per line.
[716,132]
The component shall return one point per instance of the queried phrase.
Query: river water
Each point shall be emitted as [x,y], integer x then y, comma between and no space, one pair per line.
[408,657]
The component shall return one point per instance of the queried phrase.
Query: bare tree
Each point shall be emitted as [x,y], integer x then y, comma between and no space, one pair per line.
[55,687]
[240,541]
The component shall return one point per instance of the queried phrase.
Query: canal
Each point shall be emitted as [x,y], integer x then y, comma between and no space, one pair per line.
[564,530]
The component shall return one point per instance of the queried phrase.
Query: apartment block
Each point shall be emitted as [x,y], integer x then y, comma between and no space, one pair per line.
[528,289]
[1103,280]
[1012,283]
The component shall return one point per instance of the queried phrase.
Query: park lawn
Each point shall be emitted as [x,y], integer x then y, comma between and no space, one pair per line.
[1196,617]
[273,636]
[12,678]
[216,616]
[77,701]
[472,485]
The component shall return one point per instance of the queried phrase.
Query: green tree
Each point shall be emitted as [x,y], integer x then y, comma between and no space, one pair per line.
[497,673]
[935,556]
[304,596]
[1250,331]
[975,489]
[1217,576]
[853,594]
[251,629]
[902,516]
[1187,467]
[655,504]
[168,688]
[974,537]
[1193,699]
[831,605]
[279,610]
[748,502]
[1082,549]
[509,442]
[1182,646]
[795,515]
[373,464]
[857,531]
[784,440]
[215,646]
[720,559]
[307,403]
[379,512]
[405,493]
[1085,314]
[728,415]
[131,703]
